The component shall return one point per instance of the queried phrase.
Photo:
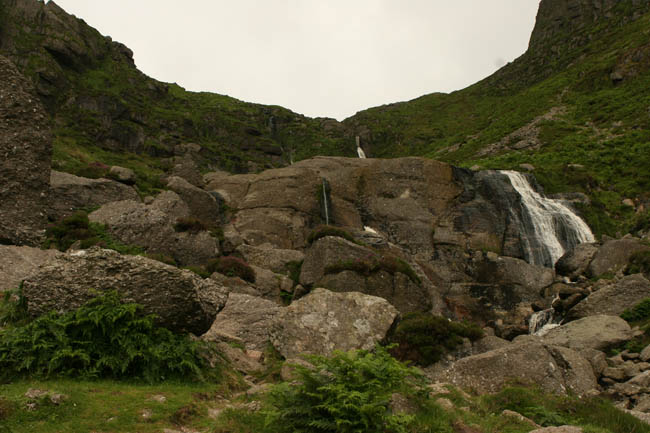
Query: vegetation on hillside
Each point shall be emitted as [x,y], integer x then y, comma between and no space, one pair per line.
[104,338]
[596,141]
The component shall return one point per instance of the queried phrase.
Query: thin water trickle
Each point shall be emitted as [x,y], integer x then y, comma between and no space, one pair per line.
[554,228]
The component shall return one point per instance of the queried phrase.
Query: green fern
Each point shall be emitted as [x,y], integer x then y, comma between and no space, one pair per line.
[346,393]
[103,338]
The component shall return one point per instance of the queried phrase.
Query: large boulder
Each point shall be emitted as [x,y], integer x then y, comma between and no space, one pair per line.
[246,317]
[576,261]
[594,332]
[324,321]
[614,255]
[181,300]
[405,292]
[152,227]
[69,193]
[273,259]
[613,299]
[555,369]
[25,159]
[203,206]
[19,262]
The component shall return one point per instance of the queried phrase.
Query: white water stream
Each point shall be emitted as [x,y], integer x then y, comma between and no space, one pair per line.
[551,223]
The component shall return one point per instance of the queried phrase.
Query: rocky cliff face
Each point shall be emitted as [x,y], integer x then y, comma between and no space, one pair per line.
[25,156]
[561,24]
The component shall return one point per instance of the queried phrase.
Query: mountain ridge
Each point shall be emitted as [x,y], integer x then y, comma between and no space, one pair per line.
[586,59]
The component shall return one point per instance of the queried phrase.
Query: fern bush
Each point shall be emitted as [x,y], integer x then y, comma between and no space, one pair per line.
[104,338]
[423,338]
[348,392]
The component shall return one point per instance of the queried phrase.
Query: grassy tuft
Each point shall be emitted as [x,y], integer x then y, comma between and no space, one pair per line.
[423,338]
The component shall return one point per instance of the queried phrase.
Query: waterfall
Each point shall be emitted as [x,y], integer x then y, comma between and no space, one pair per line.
[360,151]
[542,322]
[550,228]
[326,204]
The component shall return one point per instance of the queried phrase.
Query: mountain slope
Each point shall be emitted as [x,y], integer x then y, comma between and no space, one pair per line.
[575,106]
[105,110]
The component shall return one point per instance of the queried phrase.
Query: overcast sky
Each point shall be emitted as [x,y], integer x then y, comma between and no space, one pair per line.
[321,58]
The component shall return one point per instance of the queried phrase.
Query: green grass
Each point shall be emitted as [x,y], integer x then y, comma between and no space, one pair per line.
[104,406]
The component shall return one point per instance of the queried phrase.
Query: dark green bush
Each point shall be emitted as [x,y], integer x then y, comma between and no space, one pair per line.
[348,392]
[190,225]
[374,263]
[76,227]
[322,231]
[639,263]
[94,170]
[103,338]
[639,312]
[232,266]
[424,338]
[294,268]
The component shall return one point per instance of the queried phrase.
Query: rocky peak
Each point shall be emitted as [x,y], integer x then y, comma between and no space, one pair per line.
[562,22]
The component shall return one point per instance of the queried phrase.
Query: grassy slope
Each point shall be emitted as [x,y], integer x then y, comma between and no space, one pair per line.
[105,110]
[605,126]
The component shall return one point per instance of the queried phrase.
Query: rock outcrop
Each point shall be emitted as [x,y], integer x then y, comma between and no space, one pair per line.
[152,227]
[614,255]
[594,332]
[69,193]
[25,159]
[181,300]
[324,321]
[248,318]
[614,298]
[338,265]
[555,369]
[20,262]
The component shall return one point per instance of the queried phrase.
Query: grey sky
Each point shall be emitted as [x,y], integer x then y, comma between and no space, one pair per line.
[327,58]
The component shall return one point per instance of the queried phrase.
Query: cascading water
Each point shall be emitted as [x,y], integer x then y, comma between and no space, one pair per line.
[550,228]
[542,322]
[325,201]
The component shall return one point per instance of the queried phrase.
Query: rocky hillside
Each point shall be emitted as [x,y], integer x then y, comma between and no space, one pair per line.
[573,108]
[105,110]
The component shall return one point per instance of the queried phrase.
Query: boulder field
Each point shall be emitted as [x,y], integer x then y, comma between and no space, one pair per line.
[327,254]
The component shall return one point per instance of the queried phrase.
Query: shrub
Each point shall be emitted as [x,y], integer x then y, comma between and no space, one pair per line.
[13,307]
[77,227]
[189,224]
[322,231]
[639,312]
[374,263]
[93,170]
[348,392]
[103,338]
[233,267]
[639,263]
[424,338]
